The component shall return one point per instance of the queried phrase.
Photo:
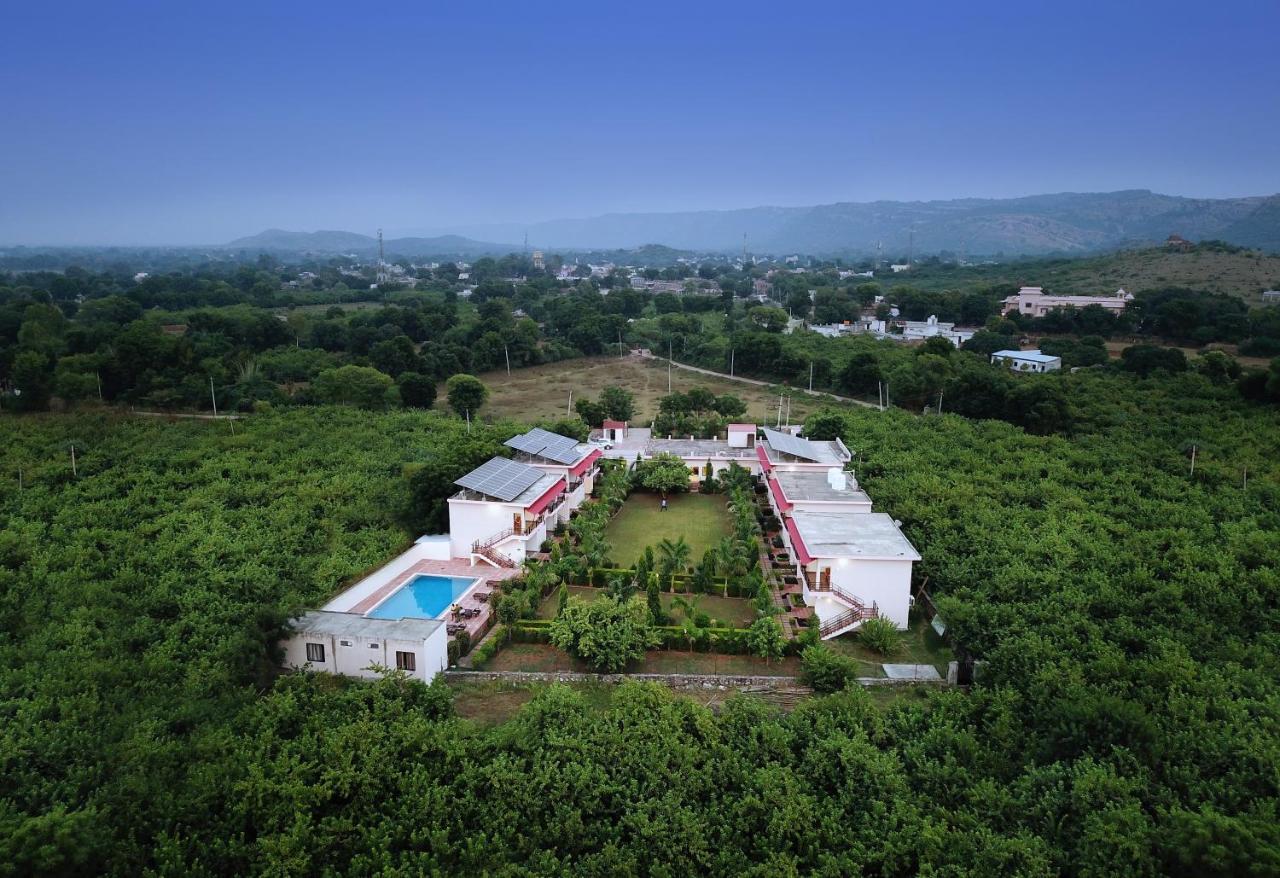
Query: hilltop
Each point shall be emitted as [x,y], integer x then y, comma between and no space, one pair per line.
[1244,273]
[1063,223]
[336,242]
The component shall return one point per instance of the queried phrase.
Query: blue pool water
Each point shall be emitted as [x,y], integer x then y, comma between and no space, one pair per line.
[423,597]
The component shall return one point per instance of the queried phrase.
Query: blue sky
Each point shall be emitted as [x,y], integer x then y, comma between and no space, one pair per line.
[195,123]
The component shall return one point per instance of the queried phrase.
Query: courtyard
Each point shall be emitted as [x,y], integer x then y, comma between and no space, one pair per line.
[702,519]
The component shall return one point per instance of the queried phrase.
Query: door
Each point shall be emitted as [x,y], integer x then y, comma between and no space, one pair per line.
[517,522]
[826,579]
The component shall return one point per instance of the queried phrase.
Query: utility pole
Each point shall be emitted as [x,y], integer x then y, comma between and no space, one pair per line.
[73,460]
[619,344]
[213,397]
[811,376]
[568,410]
[1245,486]
[98,375]
[732,351]
[668,366]
[939,402]
[779,424]
[880,394]
[1193,461]
[468,411]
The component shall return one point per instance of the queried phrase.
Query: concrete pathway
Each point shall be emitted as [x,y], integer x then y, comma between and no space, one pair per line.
[912,672]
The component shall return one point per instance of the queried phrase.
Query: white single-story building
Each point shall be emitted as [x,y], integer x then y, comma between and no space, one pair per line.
[355,645]
[918,330]
[1027,361]
[853,566]
[741,435]
[809,491]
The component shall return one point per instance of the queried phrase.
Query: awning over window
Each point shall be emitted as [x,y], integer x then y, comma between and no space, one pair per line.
[764,459]
[780,498]
[585,464]
[797,544]
[548,498]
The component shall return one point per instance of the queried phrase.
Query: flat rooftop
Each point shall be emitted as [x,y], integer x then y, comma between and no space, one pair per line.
[814,487]
[524,498]
[698,448]
[853,535]
[353,625]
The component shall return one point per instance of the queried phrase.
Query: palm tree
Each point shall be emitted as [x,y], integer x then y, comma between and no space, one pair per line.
[675,555]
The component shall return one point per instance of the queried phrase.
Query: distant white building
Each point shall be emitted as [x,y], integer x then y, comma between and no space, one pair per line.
[1270,297]
[1033,302]
[915,330]
[1027,361]
[900,267]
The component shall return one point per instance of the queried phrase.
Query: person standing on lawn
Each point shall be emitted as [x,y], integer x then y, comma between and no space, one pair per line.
[663,507]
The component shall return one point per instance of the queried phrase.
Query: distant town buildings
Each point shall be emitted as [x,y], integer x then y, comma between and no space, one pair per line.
[1177,242]
[1033,302]
[1270,297]
[1027,361]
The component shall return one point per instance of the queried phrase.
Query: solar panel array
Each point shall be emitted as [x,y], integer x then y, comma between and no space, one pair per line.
[546,444]
[793,445]
[501,478]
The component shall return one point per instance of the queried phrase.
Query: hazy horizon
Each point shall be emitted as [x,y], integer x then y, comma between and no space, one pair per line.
[167,126]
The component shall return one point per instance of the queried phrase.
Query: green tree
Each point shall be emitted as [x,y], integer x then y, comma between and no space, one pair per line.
[416,390]
[353,385]
[607,634]
[674,555]
[466,394]
[765,638]
[663,472]
[618,404]
[32,381]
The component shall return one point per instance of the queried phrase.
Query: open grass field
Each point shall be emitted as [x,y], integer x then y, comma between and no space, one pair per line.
[701,519]
[921,645]
[732,612]
[542,392]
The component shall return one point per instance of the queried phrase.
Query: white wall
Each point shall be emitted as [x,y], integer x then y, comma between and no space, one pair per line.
[884,583]
[423,549]
[834,506]
[356,658]
[471,520]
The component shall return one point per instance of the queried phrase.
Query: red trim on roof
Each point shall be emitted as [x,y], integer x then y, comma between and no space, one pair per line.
[583,465]
[548,498]
[797,544]
[615,425]
[778,495]
[738,428]
[764,458]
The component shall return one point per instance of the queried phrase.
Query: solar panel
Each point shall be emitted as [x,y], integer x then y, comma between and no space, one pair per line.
[524,442]
[501,479]
[793,445]
[544,443]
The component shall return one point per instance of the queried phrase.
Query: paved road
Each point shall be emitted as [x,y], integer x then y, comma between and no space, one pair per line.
[727,377]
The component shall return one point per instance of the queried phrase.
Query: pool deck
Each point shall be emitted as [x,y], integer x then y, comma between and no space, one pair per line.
[488,576]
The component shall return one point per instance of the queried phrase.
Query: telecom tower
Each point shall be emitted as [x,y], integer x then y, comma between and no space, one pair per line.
[382,275]
[744,249]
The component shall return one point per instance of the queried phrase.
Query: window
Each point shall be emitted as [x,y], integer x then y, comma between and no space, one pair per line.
[344,642]
[406,661]
[315,652]
[373,646]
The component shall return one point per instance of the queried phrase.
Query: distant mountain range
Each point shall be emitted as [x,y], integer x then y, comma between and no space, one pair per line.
[333,242]
[1067,223]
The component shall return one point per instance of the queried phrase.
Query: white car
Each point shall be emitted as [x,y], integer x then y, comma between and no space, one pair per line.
[600,443]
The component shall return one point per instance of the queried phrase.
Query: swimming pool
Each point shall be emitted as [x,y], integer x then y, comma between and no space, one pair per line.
[425,596]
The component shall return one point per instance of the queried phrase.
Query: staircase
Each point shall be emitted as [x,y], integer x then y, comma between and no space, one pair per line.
[485,549]
[857,613]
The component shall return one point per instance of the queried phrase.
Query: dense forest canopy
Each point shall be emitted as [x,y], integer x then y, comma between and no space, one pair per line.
[1126,722]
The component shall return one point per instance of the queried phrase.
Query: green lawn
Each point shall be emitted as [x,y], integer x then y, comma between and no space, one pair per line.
[701,519]
[733,612]
[921,645]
